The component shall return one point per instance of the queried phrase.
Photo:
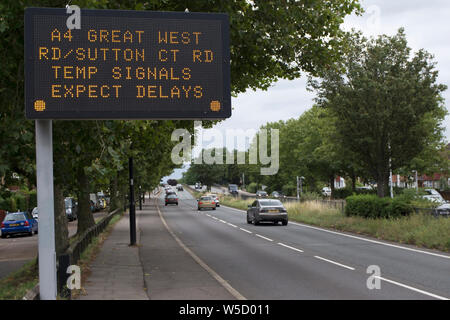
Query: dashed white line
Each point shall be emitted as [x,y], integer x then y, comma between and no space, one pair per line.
[230,224]
[245,230]
[334,262]
[359,238]
[289,247]
[412,288]
[208,215]
[262,237]
[222,221]
[214,218]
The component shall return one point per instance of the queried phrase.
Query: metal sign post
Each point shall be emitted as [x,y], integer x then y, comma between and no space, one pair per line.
[44,175]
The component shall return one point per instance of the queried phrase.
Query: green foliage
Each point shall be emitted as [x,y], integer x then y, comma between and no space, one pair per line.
[367,206]
[32,199]
[21,202]
[289,189]
[342,193]
[399,207]
[388,104]
[372,206]
[252,187]
[310,196]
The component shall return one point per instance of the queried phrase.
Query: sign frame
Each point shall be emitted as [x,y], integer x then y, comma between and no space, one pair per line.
[30,57]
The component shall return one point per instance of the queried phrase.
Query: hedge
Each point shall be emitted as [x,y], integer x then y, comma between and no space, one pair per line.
[371,206]
[18,202]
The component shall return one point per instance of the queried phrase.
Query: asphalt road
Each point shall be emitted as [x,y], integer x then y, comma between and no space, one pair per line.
[17,250]
[304,262]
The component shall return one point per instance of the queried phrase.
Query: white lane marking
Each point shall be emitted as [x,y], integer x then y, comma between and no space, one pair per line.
[412,288]
[245,230]
[334,262]
[214,274]
[289,247]
[258,235]
[222,221]
[214,218]
[230,224]
[359,238]
[208,215]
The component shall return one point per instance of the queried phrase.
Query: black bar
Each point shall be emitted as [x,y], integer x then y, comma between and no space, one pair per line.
[132,206]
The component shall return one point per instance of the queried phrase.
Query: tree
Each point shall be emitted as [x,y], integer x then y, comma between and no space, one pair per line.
[387,104]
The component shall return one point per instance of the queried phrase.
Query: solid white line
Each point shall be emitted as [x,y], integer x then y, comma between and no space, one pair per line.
[359,238]
[214,274]
[289,247]
[245,230]
[333,262]
[412,288]
[258,235]
[230,224]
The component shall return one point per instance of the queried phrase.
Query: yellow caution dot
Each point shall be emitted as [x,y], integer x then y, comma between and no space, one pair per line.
[215,105]
[39,105]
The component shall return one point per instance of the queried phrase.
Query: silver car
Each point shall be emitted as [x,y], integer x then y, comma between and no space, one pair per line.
[267,210]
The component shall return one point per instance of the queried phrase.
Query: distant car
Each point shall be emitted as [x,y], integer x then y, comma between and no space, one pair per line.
[179,187]
[216,198]
[433,195]
[34,213]
[233,189]
[326,191]
[271,210]
[171,199]
[206,202]
[261,194]
[170,191]
[277,195]
[443,210]
[71,208]
[198,185]
[18,223]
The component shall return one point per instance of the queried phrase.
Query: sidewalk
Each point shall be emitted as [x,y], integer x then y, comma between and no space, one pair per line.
[170,272]
[116,272]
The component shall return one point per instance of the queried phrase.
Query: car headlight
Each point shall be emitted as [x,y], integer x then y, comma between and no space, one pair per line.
[68,210]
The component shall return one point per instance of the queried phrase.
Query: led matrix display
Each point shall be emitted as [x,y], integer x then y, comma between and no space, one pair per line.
[127,65]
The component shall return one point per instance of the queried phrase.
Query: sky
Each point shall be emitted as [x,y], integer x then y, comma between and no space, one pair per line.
[426,26]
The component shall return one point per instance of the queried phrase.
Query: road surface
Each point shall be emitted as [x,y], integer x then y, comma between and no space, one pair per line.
[304,262]
[17,250]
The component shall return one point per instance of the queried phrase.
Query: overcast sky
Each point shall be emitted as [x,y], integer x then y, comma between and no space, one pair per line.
[426,25]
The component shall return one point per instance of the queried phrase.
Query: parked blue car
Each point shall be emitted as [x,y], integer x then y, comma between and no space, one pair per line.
[19,222]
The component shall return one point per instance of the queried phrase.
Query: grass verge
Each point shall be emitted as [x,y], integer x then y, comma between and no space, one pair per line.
[419,229]
[16,285]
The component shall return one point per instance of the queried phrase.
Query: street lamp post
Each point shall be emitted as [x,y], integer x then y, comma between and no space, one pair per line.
[416,180]
[132,205]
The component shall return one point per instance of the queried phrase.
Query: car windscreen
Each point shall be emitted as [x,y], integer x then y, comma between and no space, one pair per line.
[171,196]
[266,203]
[15,217]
